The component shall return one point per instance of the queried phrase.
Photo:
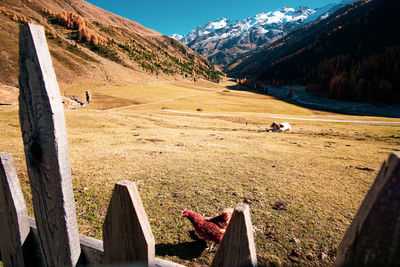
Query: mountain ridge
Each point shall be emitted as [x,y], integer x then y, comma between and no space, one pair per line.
[92,47]
[226,44]
[353,55]
[233,39]
[221,41]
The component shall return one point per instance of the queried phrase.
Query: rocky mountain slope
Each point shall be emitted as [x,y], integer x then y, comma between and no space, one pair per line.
[93,47]
[224,40]
[352,55]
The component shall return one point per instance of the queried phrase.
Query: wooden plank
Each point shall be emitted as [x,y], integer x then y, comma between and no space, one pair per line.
[164,263]
[374,235]
[46,151]
[126,231]
[14,226]
[92,250]
[237,247]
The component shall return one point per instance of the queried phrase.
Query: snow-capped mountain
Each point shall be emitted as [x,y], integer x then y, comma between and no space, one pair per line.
[223,40]
[325,11]
[210,27]
[177,36]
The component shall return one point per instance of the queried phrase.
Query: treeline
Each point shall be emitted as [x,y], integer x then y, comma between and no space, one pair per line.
[74,21]
[15,16]
[352,55]
[374,78]
[151,58]
[357,59]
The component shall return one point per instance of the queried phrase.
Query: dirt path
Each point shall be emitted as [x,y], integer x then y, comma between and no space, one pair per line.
[159,101]
[354,108]
[286,118]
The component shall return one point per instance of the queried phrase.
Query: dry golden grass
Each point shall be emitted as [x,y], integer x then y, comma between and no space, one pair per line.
[8,95]
[136,94]
[189,97]
[206,163]
[77,33]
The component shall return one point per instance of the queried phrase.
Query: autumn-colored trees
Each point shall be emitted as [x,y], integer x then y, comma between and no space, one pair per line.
[19,18]
[3,11]
[74,21]
[361,76]
[14,16]
[353,57]
[372,78]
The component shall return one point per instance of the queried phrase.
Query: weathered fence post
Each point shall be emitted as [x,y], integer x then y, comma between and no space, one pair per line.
[45,141]
[127,234]
[14,224]
[373,238]
[237,247]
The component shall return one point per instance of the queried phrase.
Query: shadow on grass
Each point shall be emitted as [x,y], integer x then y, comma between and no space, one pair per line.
[242,88]
[184,251]
[334,106]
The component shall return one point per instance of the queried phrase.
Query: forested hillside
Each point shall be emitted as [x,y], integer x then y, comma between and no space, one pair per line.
[89,44]
[353,55]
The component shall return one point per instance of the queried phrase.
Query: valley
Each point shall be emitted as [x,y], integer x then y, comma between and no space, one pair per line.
[224,41]
[212,153]
[144,107]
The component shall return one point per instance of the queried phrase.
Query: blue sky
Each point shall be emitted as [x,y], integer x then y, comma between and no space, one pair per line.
[181,16]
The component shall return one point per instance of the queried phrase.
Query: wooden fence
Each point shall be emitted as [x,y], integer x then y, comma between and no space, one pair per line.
[53,238]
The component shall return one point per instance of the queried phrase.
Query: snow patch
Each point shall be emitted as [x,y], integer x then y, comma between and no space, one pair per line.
[325,11]
[216,25]
[177,36]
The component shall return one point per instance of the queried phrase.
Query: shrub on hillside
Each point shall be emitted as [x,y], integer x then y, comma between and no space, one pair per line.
[106,52]
[20,18]
[51,33]
[3,11]
[15,17]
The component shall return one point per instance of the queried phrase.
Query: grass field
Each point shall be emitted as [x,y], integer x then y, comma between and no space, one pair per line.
[206,163]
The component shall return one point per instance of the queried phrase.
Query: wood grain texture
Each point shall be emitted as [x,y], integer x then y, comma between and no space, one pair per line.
[164,263]
[14,225]
[92,250]
[46,151]
[373,238]
[127,234]
[237,247]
